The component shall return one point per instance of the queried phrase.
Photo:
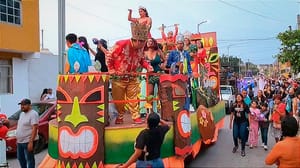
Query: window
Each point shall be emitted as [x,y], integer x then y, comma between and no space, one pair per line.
[10,11]
[6,84]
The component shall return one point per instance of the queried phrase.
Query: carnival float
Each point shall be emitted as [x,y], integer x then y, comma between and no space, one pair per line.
[83,135]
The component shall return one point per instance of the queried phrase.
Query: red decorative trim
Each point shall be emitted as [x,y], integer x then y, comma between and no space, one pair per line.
[180,126]
[84,77]
[219,125]
[173,78]
[97,77]
[87,165]
[69,99]
[101,89]
[100,113]
[70,78]
[196,148]
[184,151]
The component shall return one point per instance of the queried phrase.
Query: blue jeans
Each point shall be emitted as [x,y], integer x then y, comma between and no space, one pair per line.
[240,131]
[150,163]
[270,105]
[25,158]
[264,135]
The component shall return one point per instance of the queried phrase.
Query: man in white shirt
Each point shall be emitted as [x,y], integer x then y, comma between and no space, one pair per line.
[27,134]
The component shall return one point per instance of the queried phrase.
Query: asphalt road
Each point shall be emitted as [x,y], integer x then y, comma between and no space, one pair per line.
[216,155]
[220,154]
[13,161]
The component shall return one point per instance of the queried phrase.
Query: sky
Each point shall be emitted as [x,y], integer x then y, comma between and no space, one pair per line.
[246,29]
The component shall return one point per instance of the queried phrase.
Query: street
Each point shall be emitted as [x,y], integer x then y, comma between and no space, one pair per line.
[220,154]
[13,161]
[217,155]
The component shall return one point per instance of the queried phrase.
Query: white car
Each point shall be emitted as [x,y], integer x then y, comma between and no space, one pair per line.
[227,95]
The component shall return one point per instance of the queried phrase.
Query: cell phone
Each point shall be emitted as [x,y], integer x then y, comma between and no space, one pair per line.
[95,41]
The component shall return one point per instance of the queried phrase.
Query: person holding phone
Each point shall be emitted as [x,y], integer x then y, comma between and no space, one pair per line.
[238,123]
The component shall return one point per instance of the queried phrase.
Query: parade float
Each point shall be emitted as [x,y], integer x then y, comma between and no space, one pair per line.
[84,135]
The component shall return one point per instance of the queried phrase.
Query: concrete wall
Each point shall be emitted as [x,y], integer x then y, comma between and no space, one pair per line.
[44,73]
[31,74]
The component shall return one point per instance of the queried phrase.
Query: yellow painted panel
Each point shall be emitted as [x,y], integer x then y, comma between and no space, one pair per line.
[24,37]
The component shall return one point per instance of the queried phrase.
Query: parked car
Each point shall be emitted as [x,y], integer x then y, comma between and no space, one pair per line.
[47,112]
[227,94]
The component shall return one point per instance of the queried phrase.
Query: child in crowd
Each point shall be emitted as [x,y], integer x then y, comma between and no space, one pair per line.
[276,117]
[253,123]
[264,125]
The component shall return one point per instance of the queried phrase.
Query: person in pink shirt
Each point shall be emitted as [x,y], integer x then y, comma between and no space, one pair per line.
[253,117]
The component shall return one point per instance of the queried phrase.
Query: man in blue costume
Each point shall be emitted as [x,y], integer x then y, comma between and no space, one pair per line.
[179,63]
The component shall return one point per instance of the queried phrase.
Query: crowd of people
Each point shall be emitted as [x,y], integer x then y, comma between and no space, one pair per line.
[277,107]
[272,107]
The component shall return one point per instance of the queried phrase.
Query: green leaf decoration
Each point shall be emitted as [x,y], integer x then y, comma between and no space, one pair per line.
[213,58]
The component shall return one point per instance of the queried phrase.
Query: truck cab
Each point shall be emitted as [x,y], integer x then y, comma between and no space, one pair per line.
[227,95]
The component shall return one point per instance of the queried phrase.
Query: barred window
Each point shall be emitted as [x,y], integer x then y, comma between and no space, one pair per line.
[10,11]
[6,80]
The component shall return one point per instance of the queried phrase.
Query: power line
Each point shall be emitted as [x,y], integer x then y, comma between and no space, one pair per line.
[249,39]
[248,11]
[101,18]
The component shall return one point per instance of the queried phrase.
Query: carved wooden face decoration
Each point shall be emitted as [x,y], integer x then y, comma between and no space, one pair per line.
[174,105]
[82,114]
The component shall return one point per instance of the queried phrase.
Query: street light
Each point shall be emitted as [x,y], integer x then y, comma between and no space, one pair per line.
[200,24]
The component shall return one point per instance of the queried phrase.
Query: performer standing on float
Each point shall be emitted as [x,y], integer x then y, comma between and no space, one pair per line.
[201,52]
[179,62]
[144,18]
[123,61]
[77,58]
[170,39]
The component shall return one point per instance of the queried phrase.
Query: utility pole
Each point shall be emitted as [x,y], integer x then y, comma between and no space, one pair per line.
[42,33]
[298,21]
[198,25]
[61,35]
[239,66]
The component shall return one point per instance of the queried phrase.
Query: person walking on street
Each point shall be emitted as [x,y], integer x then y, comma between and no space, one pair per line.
[264,125]
[27,134]
[276,117]
[238,123]
[253,124]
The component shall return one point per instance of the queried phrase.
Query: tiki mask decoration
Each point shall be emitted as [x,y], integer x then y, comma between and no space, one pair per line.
[174,105]
[82,103]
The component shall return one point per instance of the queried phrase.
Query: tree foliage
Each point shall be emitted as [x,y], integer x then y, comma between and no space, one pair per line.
[290,49]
